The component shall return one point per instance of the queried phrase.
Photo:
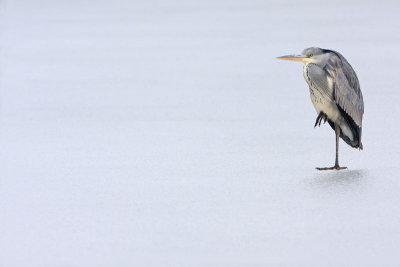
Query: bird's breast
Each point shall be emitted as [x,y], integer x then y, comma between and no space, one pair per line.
[321,94]
[320,91]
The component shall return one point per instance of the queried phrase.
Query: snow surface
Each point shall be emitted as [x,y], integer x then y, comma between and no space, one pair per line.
[165,133]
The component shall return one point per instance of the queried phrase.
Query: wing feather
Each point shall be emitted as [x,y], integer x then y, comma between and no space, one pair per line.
[346,91]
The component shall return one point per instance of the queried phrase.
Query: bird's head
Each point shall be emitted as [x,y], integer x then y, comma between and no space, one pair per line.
[314,55]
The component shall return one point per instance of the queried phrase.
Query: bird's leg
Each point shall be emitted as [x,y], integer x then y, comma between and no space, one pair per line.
[318,120]
[336,167]
[321,116]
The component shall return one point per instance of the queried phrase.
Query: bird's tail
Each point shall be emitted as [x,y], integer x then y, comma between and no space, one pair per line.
[356,142]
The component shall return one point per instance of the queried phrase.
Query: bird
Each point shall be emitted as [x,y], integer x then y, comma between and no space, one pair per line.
[335,93]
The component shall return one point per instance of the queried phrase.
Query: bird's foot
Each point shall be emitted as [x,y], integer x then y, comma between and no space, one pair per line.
[321,116]
[336,167]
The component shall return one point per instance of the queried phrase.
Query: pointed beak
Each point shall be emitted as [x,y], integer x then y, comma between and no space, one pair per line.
[299,58]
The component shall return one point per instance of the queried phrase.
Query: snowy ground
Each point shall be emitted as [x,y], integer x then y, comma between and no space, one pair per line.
[165,133]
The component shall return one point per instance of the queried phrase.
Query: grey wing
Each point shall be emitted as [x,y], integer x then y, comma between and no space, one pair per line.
[346,88]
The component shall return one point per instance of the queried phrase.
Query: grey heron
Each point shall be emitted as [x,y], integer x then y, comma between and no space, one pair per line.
[335,93]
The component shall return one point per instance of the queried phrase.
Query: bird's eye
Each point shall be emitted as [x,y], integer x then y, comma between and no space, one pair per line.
[309,55]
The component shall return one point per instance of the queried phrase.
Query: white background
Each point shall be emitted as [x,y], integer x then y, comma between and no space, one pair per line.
[165,133]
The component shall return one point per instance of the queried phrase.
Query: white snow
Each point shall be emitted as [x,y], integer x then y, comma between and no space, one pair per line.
[165,133]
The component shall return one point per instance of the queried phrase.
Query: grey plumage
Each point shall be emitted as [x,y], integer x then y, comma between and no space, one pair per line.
[335,93]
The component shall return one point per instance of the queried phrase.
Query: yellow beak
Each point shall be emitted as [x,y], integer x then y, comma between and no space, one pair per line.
[299,58]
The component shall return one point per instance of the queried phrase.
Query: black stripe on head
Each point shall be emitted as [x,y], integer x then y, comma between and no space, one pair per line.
[327,51]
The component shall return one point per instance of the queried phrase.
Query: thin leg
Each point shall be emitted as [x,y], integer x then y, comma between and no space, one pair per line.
[336,167]
[337,132]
